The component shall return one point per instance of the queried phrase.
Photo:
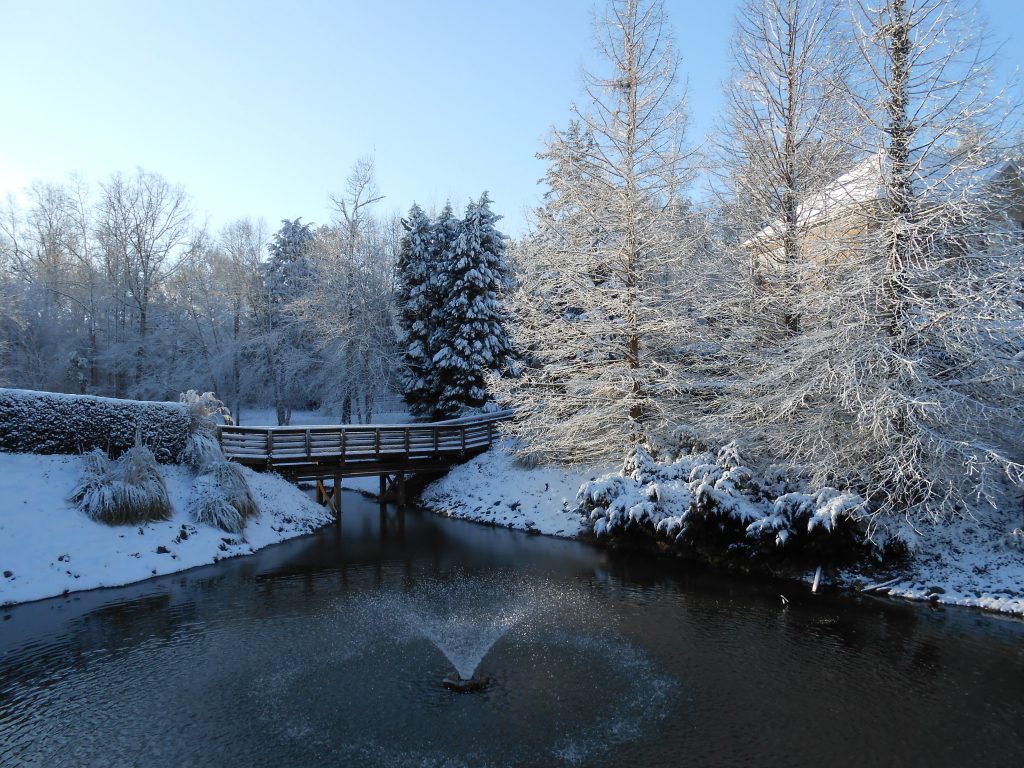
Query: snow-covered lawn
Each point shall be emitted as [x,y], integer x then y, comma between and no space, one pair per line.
[48,547]
[972,563]
[494,488]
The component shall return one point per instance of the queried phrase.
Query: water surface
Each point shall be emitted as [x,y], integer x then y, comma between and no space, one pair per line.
[325,651]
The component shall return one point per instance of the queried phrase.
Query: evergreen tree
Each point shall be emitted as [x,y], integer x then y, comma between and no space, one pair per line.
[417,303]
[471,337]
[288,270]
[287,349]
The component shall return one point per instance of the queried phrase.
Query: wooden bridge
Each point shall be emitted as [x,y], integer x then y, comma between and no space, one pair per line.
[390,451]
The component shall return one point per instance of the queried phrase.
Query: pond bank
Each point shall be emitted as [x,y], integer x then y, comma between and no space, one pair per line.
[49,547]
[973,563]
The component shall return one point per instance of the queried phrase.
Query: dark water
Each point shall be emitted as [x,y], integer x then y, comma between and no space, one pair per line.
[312,653]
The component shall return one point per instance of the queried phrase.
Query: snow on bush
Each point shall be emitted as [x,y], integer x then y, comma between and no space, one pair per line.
[221,497]
[51,423]
[202,446]
[124,491]
[699,498]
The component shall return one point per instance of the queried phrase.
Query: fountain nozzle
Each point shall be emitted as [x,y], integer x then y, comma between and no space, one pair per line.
[459,684]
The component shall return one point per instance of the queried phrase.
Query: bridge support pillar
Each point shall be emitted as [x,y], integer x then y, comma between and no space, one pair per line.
[330,498]
[392,488]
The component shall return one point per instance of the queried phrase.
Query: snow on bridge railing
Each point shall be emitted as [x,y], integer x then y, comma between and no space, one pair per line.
[360,443]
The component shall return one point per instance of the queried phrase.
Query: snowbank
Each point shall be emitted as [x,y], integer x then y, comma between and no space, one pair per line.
[495,488]
[975,562]
[48,547]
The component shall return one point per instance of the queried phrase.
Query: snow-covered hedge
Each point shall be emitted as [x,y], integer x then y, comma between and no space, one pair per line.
[715,504]
[45,422]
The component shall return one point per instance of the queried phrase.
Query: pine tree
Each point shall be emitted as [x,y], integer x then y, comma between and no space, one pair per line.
[417,303]
[471,338]
[285,279]
[288,270]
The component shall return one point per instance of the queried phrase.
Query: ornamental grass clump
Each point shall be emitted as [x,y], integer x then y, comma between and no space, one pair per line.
[126,491]
[221,497]
[201,446]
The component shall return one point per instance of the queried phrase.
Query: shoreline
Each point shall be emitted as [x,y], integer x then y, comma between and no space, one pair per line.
[491,487]
[49,548]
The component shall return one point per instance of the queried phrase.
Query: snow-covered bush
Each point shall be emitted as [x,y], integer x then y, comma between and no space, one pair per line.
[46,422]
[714,504]
[221,497]
[124,491]
[202,446]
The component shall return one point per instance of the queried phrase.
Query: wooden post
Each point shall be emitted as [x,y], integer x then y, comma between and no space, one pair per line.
[309,449]
[401,489]
[383,488]
[320,492]
[337,497]
[376,441]
[462,453]
[434,430]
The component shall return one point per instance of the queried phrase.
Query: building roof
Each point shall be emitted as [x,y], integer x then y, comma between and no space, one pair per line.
[864,184]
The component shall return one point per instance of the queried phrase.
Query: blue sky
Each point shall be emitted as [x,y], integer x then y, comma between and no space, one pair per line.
[260,108]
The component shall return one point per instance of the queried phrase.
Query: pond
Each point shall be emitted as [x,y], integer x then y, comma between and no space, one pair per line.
[331,650]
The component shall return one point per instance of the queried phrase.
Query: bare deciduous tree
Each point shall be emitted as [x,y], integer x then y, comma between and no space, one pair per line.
[596,310]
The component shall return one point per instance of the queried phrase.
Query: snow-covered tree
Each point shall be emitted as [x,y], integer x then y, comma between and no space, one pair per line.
[601,302]
[470,339]
[286,348]
[904,381]
[417,304]
[788,133]
[145,228]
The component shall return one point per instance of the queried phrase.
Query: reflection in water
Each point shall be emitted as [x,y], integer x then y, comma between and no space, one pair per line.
[329,649]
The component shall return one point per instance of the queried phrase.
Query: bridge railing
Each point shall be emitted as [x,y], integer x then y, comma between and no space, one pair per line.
[360,443]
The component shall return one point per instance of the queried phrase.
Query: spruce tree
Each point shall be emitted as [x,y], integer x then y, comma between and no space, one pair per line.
[417,303]
[286,278]
[288,270]
[471,337]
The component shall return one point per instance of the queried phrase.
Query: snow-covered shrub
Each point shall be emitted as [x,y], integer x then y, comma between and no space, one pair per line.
[202,446]
[1015,539]
[716,505]
[200,449]
[221,497]
[46,422]
[126,491]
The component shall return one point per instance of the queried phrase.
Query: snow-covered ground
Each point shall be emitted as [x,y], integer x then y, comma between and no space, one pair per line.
[977,563]
[390,413]
[495,488]
[49,547]
[971,563]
